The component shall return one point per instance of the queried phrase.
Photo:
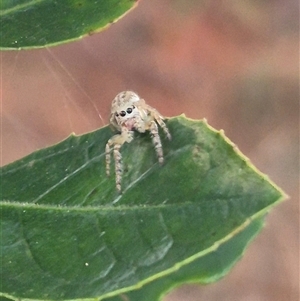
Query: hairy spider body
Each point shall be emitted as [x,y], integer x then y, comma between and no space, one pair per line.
[130,113]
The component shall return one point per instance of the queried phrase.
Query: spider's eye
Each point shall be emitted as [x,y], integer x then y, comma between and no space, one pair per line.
[117,115]
[122,113]
[129,110]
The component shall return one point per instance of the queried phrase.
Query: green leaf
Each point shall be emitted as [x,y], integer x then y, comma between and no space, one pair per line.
[67,234]
[206,269]
[4,299]
[41,23]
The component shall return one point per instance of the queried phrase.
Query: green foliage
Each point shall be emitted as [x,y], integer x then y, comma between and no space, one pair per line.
[205,269]
[40,23]
[67,234]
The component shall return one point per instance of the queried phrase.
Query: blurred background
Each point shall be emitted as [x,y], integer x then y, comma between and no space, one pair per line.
[233,62]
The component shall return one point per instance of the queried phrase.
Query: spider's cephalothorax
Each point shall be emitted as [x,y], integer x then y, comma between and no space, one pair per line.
[130,113]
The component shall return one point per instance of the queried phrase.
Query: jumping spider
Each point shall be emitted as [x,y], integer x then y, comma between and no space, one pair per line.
[130,113]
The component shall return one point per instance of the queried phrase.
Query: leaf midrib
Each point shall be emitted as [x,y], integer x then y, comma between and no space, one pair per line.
[27,205]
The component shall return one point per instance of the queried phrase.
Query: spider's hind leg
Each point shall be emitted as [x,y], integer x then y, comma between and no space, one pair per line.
[159,119]
[164,127]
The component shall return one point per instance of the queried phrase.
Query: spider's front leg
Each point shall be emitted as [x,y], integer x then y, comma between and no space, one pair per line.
[156,141]
[117,141]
